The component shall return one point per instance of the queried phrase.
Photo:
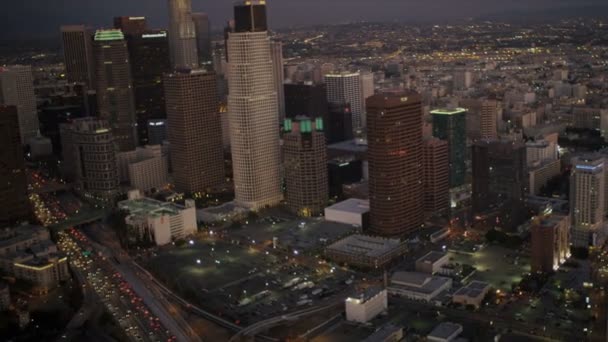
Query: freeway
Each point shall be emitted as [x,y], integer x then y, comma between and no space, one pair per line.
[98,277]
[154,300]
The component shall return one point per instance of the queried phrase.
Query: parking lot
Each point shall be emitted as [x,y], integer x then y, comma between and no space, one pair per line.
[245,283]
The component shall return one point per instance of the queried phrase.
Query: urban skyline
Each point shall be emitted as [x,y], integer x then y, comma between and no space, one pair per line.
[187,175]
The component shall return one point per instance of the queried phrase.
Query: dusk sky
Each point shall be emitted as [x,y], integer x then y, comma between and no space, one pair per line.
[30,18]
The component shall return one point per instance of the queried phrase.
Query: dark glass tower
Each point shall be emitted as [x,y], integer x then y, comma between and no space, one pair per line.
[250,17]
[450,125]
[14,203]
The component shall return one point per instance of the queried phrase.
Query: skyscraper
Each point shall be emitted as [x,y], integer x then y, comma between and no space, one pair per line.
[339,123]
[450,125]
[203,37]
[345,87]
[587,198]
[276,48]
[488,119]
[253,109]
[395,163]
[195,130]
[78,54]
[306,99]
[92,148]
[131,25]
[14,203]
[17,89]
[114,87]
[149,59]
[436,173]
[182,35]
[305,160]
[550,244]
[500,180]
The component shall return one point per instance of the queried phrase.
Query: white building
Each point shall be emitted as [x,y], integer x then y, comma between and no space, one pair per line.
[163,222]
[17,89]
[367,306]
[352,211]
[145,168]
[345,87]
[587,196]
[418,286]
[253,113]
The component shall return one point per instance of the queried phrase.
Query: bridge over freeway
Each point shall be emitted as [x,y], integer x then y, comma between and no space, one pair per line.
[85,216]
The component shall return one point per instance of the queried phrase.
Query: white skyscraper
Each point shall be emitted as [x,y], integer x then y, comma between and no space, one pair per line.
[182,35]
[345,87]
[17,89]
[279,75]
[253,109]
[587,196]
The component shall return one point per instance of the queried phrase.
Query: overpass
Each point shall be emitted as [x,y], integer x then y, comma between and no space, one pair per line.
[85,216]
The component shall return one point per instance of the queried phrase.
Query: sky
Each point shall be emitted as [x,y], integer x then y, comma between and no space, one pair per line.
[42,18]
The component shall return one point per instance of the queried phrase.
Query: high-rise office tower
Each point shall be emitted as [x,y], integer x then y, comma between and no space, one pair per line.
[550,246]
[131,25]
[367,90]
[305,160]
[339,123]
[500,180]
[195,130]
[276,48]
[345,87]
[78,54]
[115,99]
[203,37]
[253,109]
[488,119]
[90,145]
[14,203]
[587,198]
[450,125]
[436,173]
[17,89]
[395,163]
[149,59]
[306,99]
[182,35]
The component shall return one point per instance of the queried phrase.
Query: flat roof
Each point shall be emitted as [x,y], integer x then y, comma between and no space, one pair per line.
[445,330]
[383,333]
[369,246]
[150,207]
[446,111]
[473,290]
[417,282]
[352,205]
[432,257]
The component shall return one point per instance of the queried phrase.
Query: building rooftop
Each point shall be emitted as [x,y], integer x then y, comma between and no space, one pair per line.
[108,35]
[11,236]
[366,295]
[473,289]
[446,111]
[432,257]
[352,205]
[150,207]
[368,246]
[445,330]
[417,281]
[383,333]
